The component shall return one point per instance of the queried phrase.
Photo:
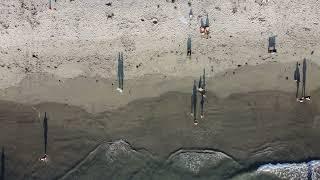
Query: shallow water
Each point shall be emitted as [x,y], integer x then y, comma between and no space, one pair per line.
[253,129]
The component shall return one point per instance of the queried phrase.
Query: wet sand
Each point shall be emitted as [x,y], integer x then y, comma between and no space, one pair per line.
[254,122]
[253,128]
[95,94]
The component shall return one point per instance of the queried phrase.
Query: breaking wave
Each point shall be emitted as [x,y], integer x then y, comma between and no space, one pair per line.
[118,160]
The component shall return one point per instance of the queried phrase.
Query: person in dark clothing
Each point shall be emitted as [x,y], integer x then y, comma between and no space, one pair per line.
[45,136]
[297,79]
[2,165]
[190,14]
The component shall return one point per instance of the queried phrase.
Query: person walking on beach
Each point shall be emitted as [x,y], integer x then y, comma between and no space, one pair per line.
[297,79]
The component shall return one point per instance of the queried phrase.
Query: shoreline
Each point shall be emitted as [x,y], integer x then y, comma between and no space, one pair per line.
[95,94]
[242,130]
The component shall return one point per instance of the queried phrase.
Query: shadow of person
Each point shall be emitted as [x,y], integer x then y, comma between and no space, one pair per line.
[297,78]
[189,46]
[120,71]
[194,101]
[304,77]
[2,164]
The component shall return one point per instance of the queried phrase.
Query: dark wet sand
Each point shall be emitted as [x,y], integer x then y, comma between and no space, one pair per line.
[252,128]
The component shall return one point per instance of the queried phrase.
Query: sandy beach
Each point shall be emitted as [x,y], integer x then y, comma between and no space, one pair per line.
[252,123]
[62,59]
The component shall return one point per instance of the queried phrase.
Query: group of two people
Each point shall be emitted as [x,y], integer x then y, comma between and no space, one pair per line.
[194,98]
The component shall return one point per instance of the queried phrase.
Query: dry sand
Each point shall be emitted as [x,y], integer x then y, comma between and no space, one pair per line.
[78,38]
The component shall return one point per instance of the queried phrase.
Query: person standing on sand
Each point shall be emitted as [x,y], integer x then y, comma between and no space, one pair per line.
[190,14]
[297,79]
[272,45]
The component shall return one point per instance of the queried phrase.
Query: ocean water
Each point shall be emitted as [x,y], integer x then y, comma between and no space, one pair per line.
[251,129]
[118,160]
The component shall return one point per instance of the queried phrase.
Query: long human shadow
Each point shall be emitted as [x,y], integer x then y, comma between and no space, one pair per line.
[203,86]
[45,132]
[2,164]
[297,78]
[120,70]
[189,46]
[304,77]
[194,102]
